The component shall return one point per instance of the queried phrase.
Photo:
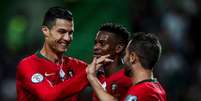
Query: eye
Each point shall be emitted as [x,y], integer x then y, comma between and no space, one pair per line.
[71,32]
[102,43]
[62,31]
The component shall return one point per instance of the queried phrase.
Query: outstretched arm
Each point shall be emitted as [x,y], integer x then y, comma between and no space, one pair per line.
[44,90]
[96,85]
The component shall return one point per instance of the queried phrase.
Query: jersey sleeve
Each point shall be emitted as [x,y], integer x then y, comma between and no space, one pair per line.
[44,90]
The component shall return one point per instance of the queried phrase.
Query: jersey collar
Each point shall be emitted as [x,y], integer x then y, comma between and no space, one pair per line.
[147,80]
[40,55]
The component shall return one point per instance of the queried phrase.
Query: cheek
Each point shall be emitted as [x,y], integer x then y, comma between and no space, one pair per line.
[52,40]
[55,35]
[110,49]
[106,49]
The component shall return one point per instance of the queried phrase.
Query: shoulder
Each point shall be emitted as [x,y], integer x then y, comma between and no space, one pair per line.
[136,92]
[143,88]
[28,63]
[26,60]
[140,90]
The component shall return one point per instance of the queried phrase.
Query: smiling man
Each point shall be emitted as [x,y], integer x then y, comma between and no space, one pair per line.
[48,75]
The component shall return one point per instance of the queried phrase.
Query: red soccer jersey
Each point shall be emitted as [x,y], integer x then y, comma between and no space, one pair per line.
[117,85]
[40,79]
[147,90]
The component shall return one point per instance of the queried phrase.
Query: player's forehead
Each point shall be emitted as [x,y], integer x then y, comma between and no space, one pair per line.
[63,24]
[104,36]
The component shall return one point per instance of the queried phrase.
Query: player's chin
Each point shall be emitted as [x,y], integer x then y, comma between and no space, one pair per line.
[62,49]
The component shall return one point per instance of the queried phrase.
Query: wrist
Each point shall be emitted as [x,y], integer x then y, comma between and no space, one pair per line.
[91,77]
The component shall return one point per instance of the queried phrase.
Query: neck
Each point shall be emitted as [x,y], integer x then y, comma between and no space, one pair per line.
[112,67]
[140,74]
[51,55]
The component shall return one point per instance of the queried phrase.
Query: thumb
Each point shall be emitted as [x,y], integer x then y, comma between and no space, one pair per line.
[94,61]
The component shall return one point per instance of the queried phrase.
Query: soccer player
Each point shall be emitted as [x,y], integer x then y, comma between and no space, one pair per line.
[112,39]
[142,53]
[48,75]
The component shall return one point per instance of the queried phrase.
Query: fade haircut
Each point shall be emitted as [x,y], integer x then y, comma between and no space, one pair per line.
[56,12]
[147,47]
[120,32]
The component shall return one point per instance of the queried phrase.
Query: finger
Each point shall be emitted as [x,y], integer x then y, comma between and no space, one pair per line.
[94,61]
[91,68]
[102,58]
[104,61]
[106,56]
[107,60]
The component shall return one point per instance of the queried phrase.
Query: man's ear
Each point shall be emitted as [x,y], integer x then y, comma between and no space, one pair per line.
[119,48]
[45,31]
[133,57]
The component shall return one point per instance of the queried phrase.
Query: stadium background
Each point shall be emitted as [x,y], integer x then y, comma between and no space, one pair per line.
[176,22]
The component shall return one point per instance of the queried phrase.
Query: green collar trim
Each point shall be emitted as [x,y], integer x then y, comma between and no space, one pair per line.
[147,80]
[40,55]
[119,67]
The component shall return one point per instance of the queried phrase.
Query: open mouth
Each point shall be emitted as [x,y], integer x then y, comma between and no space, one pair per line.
[63,44]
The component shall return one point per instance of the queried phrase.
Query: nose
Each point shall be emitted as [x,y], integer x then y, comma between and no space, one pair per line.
[67,37]
[96,47]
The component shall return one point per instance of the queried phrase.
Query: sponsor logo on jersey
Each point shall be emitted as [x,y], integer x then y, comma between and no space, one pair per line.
[49,74]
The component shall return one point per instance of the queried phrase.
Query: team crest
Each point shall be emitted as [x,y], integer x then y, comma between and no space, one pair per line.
[70,73]
[131,98]
[37,78]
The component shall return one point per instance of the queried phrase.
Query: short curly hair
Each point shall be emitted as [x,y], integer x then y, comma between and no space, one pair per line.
[121,33]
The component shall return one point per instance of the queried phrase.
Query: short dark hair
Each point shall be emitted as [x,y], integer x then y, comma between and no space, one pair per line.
[56,12]
[147,47]
[120,32]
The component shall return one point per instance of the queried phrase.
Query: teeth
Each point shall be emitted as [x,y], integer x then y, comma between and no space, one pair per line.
[63,44]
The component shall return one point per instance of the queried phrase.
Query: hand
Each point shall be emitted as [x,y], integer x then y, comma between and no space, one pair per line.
[102,61]
[91,68]
[97,63]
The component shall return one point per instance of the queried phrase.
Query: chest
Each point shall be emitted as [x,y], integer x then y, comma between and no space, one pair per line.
[56,74]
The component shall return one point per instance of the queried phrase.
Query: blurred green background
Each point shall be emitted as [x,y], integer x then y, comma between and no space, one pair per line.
[176,22]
